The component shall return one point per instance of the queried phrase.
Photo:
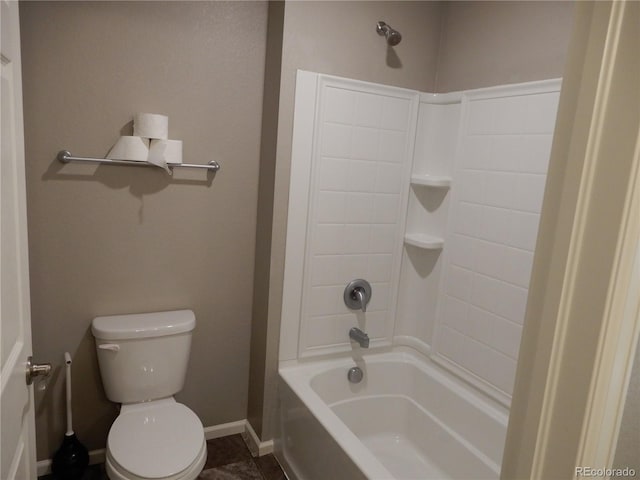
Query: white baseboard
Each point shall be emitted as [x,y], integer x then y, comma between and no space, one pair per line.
[243,427]
[256,447]
[225,429]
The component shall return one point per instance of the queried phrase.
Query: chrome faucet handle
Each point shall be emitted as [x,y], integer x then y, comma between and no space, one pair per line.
[357,294]
[360,295]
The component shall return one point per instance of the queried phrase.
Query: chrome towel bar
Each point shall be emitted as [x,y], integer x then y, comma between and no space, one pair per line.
[65,157]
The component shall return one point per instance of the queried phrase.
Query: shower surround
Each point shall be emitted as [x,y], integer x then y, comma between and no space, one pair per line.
[435,200]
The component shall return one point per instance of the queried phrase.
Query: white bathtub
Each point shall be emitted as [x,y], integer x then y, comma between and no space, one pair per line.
[407,419]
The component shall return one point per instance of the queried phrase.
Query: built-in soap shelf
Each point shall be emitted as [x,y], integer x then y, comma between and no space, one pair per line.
[424,240]
[434,181]
[431,176]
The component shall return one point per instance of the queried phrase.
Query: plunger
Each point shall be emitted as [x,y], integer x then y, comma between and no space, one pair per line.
[72,458]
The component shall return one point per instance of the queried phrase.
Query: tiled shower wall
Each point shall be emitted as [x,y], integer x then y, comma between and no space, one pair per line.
[359,179]
[498,186]
[351,169]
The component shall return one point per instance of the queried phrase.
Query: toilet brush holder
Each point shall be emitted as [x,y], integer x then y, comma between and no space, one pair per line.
[72,458]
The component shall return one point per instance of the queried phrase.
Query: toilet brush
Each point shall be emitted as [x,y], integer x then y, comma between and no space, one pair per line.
[72,458]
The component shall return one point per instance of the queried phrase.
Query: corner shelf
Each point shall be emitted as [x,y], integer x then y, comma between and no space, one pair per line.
[424,241]
[436,181]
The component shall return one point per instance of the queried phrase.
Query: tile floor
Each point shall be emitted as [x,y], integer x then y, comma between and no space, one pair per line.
[228,458]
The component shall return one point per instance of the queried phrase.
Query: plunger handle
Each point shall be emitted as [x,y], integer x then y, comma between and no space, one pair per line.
[67,361]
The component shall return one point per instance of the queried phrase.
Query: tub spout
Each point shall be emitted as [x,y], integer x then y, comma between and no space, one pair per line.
[359,336]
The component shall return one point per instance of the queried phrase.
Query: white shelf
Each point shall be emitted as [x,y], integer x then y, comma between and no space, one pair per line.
[422,240]
[437,181]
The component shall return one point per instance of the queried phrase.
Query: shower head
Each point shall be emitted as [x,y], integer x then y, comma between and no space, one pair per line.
[393,36]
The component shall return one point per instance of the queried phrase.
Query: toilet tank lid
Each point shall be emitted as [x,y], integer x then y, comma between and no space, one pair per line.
[143,325]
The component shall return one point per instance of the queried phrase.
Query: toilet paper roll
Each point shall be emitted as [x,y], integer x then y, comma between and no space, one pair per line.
[171,150]
[151,125]
[130,148]
[159,152]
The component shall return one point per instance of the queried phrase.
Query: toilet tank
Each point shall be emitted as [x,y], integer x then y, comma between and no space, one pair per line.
[143,356]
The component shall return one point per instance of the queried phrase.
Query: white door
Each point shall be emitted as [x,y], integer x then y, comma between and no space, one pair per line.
[17,433]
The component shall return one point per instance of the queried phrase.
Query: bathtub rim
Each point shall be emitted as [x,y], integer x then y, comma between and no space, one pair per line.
[358,453]
[298,375]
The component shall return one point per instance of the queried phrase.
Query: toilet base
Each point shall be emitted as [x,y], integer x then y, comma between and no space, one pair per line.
[115,472]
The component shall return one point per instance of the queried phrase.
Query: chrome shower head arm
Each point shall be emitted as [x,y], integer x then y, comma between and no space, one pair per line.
[381,28]
[393,36]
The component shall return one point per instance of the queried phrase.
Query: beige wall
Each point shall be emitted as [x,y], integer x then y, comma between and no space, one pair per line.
[259,331]
[124,239]
[495,43]
[340,38]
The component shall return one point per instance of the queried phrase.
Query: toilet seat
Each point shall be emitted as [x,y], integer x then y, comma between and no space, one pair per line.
[157,440]
[116,472]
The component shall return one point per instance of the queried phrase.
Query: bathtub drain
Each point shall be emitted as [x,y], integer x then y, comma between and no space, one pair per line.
[355,375]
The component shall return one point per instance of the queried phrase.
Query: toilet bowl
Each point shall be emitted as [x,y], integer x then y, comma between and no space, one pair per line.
[143,360]
[162,439]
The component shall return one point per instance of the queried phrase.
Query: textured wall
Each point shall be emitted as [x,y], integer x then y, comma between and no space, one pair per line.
[262,275]
[495,43]
[120,239]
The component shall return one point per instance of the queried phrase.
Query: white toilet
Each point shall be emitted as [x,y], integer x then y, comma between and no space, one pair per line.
[143,361]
